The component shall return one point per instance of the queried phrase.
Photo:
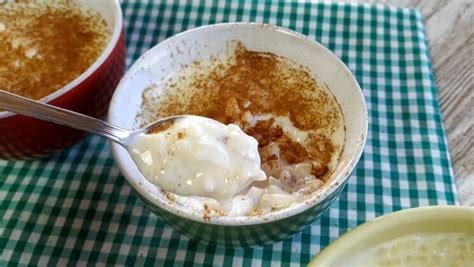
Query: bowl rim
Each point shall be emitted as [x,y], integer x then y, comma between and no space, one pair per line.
[114,39]
[294,210]
[332,252]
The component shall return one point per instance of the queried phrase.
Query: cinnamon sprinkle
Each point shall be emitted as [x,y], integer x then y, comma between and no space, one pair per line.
[257,83]
[44,46]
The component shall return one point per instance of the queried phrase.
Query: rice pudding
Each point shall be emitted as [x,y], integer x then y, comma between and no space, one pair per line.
[296,120]
[47,44]
[196,156]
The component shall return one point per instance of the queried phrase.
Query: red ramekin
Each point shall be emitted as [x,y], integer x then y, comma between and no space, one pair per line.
[23,137]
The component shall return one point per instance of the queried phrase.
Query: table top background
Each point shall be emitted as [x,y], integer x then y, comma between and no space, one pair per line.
[76,208]
[449,26]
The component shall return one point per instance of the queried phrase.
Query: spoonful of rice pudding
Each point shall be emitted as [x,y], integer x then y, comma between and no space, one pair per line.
[185,155]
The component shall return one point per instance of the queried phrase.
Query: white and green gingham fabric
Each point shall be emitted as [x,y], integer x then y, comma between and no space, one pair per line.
[76,208]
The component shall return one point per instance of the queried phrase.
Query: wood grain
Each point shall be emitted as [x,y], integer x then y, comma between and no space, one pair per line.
[450,30]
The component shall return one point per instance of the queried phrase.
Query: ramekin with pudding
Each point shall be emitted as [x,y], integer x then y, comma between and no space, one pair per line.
[302,110]
[69,54]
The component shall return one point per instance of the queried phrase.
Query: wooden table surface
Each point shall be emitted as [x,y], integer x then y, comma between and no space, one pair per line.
[450,29]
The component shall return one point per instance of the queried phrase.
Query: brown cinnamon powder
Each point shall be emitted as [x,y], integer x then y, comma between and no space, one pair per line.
[262,83]
[45,46]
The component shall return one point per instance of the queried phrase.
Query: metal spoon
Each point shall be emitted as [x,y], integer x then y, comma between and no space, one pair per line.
[42,111]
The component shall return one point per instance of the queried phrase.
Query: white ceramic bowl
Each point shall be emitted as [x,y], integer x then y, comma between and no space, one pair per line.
[167,57]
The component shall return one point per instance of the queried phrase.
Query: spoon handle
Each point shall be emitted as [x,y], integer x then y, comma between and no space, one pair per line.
[42,111]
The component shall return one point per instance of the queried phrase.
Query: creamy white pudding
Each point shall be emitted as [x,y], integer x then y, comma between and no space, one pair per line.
[296,120]
[200,157]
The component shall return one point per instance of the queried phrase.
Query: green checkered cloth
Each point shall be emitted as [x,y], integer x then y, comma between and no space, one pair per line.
[76,208]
